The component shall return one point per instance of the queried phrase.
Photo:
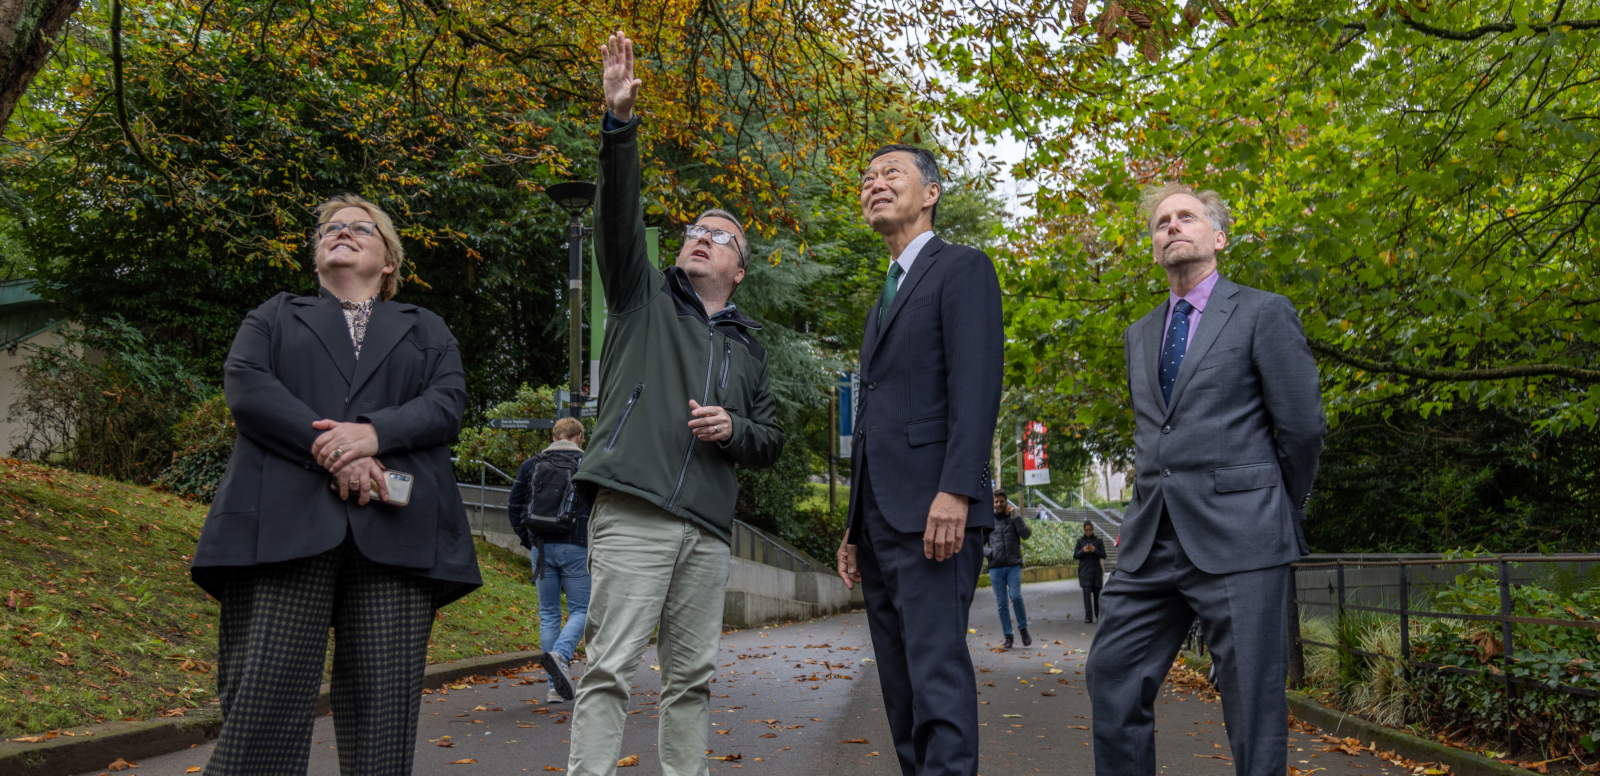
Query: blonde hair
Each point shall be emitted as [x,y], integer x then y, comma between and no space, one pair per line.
[1153,195]
[394,254]
[567,428]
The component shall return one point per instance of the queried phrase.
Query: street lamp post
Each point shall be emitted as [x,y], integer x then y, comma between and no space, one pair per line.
[574,197]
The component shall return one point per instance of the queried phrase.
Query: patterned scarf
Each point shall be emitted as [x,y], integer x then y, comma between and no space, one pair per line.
[356,315]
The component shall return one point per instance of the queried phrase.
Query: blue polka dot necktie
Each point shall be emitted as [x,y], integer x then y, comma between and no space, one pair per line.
[1177,345]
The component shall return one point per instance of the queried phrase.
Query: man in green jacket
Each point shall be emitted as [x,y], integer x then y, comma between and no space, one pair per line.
[685,398]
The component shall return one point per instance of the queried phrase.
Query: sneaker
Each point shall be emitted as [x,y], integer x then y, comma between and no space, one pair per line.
[1007,645]
[560,679]
[1027,641]
[554,697]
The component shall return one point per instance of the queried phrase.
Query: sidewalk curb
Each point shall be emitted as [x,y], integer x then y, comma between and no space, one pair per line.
[1346,725]
[134,741]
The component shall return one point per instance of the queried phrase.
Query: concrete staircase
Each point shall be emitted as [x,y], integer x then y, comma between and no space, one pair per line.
[1105,529]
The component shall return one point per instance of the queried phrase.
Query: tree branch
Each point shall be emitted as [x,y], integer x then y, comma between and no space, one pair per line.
[116,78]
[1456,375]
[1486,29]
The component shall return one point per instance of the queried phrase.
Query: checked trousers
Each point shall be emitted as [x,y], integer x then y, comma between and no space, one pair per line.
[272,648]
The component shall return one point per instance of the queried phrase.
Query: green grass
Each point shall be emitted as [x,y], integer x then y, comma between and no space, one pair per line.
[817,497]
[99,620]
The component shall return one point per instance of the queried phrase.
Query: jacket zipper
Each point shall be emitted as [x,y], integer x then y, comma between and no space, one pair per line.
[627,412]
[688,454]
[727,357]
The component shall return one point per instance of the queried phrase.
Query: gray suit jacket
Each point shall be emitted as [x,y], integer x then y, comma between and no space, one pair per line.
[1234,454]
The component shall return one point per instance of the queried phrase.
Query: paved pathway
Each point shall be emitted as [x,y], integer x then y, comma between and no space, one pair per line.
[787,699]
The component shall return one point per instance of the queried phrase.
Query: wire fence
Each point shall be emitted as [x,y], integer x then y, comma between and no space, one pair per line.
[1406,611]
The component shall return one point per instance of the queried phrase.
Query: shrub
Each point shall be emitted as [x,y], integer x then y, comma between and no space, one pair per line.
[506,449]
[1473,705]
[104,401]
[205,442]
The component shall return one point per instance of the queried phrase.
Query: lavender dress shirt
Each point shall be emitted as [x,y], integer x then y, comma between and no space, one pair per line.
[1197,296]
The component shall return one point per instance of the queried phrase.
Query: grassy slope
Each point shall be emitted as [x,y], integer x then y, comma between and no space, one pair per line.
[98,618]
[816,497]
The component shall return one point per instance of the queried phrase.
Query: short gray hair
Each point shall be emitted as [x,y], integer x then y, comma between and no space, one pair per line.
[927,167]
[1216,210]
[743,246]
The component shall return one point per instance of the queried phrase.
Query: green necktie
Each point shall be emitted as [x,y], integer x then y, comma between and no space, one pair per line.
[890,286]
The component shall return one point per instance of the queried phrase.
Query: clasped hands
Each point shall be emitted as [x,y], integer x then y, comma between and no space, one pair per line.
[941,540]
[346,450]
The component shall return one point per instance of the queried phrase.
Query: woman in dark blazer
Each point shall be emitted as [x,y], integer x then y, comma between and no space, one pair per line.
[329,392]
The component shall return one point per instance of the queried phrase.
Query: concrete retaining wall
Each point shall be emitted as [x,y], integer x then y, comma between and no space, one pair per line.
[759,594]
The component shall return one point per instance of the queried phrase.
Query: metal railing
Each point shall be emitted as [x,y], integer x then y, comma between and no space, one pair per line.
[748,542]
[762,549]
[1405,611]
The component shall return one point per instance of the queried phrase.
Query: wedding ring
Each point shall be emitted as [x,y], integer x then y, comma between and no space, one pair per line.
[355,483]
[337,453]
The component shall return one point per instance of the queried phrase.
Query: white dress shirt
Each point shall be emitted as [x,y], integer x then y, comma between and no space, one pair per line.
[909,255]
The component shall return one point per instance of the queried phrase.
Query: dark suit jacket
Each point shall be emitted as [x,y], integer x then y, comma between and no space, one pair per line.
[930,390]
[292,364]
[1234,454]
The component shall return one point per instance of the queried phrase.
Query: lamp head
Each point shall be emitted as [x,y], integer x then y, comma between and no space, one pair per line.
[573,196]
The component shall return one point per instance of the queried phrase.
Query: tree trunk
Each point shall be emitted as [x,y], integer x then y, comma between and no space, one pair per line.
[28,30]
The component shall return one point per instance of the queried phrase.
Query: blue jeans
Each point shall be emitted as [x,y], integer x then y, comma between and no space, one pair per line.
[566,568]
[1007,583]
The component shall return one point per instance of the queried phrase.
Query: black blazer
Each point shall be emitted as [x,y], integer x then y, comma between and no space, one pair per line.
[1090,552]
[930,390]
[292,364]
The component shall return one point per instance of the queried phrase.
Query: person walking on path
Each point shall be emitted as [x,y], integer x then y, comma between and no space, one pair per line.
[1090,553]
[1228,430]
[338,510]
[560,560]
[931,370]
[1003,548]
[686,399]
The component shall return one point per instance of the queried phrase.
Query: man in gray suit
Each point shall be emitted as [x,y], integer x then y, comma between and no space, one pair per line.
[1228,430]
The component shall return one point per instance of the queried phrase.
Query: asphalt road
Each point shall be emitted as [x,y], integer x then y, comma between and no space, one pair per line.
[790,700]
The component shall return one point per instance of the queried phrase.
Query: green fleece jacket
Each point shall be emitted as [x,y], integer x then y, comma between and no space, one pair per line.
[661,350]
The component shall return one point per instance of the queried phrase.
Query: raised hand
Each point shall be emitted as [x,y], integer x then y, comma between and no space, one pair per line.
[620,87]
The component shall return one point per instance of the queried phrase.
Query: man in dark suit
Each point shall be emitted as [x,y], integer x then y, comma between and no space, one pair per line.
[931,364]
[1228,430]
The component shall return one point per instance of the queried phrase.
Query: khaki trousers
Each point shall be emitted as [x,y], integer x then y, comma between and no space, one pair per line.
[649,568]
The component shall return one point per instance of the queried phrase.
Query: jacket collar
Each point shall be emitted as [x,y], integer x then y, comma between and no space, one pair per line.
[1218,310]
[562,446]
[388,325]
[926,258]
[679,286]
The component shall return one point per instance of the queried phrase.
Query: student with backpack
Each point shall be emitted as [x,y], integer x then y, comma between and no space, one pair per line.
[553,522]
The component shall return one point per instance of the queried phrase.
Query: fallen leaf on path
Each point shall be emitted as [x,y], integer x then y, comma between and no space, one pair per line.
[1224,758]
[1078,727]
[553,768]
[467,761]
[193,769]
[121,765]
[785,749]
[629,761]
[723,732]
[1048,694]
[855,741]
[769,735]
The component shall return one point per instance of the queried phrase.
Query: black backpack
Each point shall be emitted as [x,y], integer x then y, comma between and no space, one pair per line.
[551,495]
